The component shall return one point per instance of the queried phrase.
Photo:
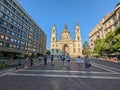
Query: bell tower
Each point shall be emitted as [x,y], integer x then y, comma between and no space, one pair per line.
[78,41]
[77,33]
[53,37]
[53,40]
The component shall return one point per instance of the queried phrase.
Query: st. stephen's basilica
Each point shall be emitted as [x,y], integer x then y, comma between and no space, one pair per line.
[66,45]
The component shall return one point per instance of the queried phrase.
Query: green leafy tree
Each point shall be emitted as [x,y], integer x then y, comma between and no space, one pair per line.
[99,46]
[86,48]
[108,45]
[116,41]
[48,52]
[112,41]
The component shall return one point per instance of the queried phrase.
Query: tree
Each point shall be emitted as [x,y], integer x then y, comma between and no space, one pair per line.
[99,46]
[113,41]
[110,44]
[48,52]
[86,48]
[116,41]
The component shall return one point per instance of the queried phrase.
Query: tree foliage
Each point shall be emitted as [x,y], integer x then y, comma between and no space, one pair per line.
[86,49]
[99,46]
[48,52]
[110,44]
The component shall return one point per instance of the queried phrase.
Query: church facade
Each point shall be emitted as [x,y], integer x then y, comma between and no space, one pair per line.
[66,45]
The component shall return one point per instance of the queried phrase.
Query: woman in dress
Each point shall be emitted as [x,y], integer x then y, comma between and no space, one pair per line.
[79,61]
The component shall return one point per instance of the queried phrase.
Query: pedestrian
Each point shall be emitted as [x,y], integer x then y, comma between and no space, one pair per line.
[31,59]
[19,64]
[63,59]
[26,62]
[67,58]
[40,59]
[79,61]
[52,58]
[86,61]
[45,60]
[31,62]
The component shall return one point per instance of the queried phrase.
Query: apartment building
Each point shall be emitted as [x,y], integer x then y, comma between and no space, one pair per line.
[19,33]
[108,23]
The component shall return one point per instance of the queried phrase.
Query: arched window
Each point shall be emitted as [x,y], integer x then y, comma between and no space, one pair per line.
[78,50]
[53,45]
[53,31]
[74,50]
[53,39]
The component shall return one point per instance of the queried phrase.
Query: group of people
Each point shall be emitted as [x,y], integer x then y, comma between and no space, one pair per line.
[65,60]
[29,61]
[79,60]
[85,60]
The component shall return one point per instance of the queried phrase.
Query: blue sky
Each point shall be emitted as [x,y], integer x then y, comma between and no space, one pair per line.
[86,12]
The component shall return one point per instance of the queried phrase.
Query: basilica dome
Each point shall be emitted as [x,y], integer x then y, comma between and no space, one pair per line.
[65,30]
[65,35]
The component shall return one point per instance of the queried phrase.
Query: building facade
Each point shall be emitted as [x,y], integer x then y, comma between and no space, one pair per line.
[66,45]
[18,31]
[109,23]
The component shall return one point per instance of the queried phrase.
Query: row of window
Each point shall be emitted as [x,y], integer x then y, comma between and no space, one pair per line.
[2,15]
[5,16]
[22,36]
[17,9]
[16,29]
[11,39]
[16,20]
[14,40]
[9,45]
[25,27]
[106,25]
[106,30]
[19,15]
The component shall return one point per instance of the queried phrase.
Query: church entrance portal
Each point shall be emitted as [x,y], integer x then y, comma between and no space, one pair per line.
[66,49]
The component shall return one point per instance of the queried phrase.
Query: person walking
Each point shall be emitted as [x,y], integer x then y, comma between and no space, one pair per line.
[19,64]
[39,58]
[67,58]
[31,59]
[63,59]
[86,61]
[79,62]
[45,60]
[26,62]
[52,58]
